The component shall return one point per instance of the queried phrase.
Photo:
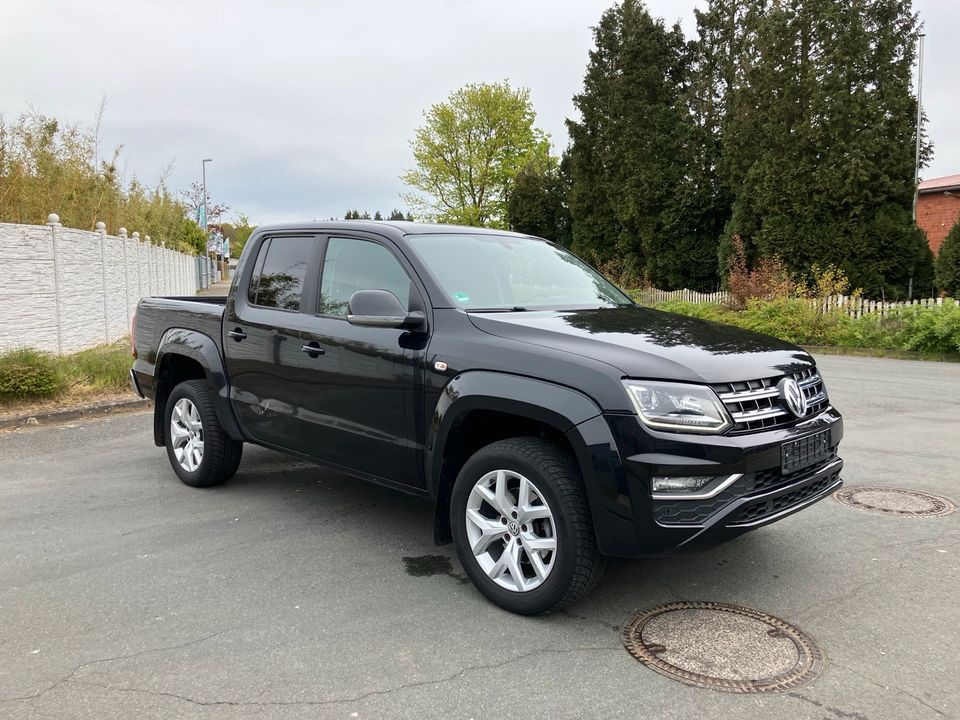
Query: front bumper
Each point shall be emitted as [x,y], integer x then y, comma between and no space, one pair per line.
[761,495]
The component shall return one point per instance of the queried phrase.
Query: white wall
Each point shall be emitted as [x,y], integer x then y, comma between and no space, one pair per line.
[88,295]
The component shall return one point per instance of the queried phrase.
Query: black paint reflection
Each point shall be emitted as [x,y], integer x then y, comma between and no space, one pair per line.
[671,330]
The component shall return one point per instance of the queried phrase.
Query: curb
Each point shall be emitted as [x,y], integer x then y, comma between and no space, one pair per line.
[85,411]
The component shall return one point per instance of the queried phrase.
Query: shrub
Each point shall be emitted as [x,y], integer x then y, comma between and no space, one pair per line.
[767,279]
[932,330]
[948,263]
[27,374]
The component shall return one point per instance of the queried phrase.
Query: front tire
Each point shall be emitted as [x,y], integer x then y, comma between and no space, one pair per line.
[200,452]
[522,526]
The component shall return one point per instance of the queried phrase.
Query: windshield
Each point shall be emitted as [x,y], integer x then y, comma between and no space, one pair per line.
[499,272]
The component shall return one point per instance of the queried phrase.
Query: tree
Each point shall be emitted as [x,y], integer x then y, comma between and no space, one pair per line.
[193,199]
[377,215]
[948,263]
[818,141]
[396,215]
[469,151]
[538,204]
[237,232]
[637,197]
[49,166]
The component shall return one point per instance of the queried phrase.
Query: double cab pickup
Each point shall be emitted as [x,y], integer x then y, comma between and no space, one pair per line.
[552,421]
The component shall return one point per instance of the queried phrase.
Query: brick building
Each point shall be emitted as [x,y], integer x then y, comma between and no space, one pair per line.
[938,208]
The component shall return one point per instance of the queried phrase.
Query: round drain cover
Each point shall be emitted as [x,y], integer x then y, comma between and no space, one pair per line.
[894,501]
[723,647]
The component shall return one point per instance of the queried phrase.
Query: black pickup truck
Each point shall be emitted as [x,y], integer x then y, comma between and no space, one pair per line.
[552,420]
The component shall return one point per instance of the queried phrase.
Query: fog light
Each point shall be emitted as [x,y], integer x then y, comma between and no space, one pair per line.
[691,487]
[681,484]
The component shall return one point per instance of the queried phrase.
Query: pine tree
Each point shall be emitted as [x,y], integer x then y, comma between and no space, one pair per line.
[396,215]
[537,204]
[636,194]
[817,147]
[948,263]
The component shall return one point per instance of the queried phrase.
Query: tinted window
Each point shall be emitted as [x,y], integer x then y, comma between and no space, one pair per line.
[278,277]
[351,265]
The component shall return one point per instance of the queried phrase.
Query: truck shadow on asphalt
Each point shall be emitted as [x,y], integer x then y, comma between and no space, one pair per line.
[372,517]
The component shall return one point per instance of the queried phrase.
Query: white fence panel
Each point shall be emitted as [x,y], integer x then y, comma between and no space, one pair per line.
[64,290]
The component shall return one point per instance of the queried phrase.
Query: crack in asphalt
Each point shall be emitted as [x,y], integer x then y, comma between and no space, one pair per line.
[837,712]
[332,701]
[896,689]
[69,676]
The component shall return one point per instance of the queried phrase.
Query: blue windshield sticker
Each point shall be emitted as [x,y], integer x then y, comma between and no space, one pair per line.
[461,297]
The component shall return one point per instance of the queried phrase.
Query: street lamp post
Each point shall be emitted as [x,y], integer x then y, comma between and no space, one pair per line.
[205,221]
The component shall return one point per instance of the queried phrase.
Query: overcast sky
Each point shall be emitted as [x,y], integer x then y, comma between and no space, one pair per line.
[307,108]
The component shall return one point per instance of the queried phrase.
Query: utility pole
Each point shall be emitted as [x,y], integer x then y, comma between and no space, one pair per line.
[916,165]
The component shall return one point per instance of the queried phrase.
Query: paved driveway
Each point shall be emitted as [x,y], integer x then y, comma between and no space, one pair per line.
[285,594]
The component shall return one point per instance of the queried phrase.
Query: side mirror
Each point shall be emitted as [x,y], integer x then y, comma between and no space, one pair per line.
[380,308]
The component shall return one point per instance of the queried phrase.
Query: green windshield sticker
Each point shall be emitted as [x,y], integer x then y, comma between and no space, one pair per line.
[460,297]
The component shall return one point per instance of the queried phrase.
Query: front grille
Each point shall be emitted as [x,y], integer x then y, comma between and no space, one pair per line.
[756,405]
[697,512]
[767,508]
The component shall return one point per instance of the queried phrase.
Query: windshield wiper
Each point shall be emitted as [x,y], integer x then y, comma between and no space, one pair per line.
[515,308]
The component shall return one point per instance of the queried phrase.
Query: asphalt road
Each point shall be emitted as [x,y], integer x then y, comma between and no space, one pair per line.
[285,594]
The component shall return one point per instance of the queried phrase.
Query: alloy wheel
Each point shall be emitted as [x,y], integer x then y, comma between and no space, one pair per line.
[186,434]
[511,530]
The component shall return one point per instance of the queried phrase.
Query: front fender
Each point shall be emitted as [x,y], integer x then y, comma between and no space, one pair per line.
[202,348]
[566,410]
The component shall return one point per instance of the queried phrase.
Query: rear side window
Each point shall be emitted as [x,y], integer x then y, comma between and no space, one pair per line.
[280,271]
[351,265]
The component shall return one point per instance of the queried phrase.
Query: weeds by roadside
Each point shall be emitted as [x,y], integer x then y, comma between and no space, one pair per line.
[31,375]
[926,330]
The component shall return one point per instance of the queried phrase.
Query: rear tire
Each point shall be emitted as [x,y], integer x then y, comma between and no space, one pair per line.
[522,526]
[200,452]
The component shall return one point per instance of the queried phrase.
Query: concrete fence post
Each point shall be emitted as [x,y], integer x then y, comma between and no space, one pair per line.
[101,230]
[53,220]
[152,256]
[122,234]
[141,281]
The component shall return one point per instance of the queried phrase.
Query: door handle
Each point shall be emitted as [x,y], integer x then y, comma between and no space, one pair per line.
[237,334]
[313,349]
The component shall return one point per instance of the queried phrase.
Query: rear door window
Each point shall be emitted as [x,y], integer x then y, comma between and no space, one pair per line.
[280,272]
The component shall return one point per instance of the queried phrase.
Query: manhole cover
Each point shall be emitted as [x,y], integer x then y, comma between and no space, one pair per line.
[894,501]
[723,647]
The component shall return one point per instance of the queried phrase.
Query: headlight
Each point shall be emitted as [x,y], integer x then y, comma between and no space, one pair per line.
[673,406]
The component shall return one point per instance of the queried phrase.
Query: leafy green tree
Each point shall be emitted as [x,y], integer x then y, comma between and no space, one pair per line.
[237,232]
[377,215]
[948,263]
[469,151]
[396,215]
[538,204]
[637,196]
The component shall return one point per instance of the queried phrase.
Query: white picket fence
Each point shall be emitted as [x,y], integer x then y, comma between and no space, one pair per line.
[652,296]
[845,304]
[857,306]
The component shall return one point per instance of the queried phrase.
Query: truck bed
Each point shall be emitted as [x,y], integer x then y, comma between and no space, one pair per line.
[156,315]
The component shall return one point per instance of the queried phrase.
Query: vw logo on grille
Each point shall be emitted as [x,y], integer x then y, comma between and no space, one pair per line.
[793,396]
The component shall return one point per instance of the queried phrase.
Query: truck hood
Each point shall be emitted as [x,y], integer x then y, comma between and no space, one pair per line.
[646,343]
